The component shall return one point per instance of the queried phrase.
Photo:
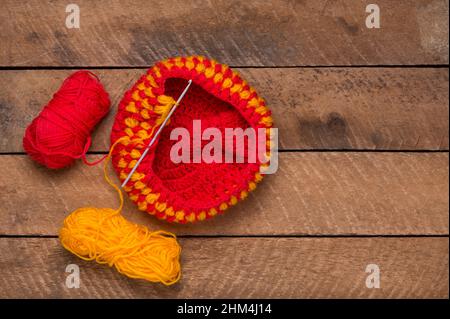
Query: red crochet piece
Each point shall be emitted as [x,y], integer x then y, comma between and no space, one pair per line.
[185,192]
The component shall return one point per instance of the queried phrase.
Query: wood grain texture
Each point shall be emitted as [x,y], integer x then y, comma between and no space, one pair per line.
[312,193]
[333,108]
[239,33]
[242,268]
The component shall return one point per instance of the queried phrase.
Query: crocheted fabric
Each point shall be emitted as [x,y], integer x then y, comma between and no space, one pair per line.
[220,98]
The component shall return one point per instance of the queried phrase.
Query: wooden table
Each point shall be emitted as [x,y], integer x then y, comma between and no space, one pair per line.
[363,122]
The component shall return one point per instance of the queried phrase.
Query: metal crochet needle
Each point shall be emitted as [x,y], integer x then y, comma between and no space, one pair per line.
[157,133]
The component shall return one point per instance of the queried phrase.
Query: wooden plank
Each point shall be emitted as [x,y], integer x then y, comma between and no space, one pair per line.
[250,33]
[312,193]
[241,268]
[333,108]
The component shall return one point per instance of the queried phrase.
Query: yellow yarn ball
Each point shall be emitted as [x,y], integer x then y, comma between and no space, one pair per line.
[104,235]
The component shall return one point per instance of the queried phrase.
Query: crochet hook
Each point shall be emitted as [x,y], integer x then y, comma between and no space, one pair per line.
[157,133]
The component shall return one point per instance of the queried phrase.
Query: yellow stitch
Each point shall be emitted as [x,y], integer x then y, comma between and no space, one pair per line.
[168,64]
[134,197]
[122,163]
[251,186]
[145,104]
[165,99]
[218,77]
[224,68]
[227,83]
[170,211]
[266,121]
[139,185]
[200,67]
[244,194]
[209,72]
[160,206]
[190,65]
[123,175]
[149,92]
[261,110]
[136,95]
[131,108]
[152,81]
[152,198]
[233,200]
[258,177]
[142,205]
[201,216]
[244,94]
[129,132]
[141,86]
[212,212]
[143,134]
[236,88]
[146,191]
[163,109]
[145,125]
[144,114]
[127,188]
[223,206]
[190,217]
[157,71]
[253,102]
[131,122]
[123,153]
[127,141]
[137,176]
[179,215]
[132,163]
[135,154]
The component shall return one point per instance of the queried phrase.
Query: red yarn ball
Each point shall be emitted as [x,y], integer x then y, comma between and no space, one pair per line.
[61,132]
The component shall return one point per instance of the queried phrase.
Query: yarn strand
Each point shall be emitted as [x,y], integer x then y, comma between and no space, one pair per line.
[104,235]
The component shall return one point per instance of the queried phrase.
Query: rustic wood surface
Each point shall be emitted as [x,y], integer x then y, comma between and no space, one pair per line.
[363,117]
[239,33]
[332,108]
[242,268]
[312,193]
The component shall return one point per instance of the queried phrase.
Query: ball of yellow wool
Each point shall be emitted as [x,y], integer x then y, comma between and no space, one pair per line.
[104,235]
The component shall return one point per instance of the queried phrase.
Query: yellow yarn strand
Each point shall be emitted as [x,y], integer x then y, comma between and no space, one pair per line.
[104,235]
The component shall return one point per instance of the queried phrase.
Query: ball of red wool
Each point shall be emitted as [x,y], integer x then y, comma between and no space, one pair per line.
[61,132]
